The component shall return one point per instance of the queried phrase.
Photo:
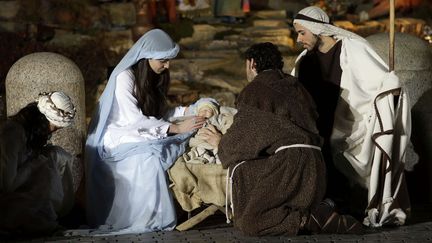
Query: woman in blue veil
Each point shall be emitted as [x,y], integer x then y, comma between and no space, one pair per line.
[131,144]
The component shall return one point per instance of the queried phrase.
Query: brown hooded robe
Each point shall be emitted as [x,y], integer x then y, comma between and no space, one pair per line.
[272,192]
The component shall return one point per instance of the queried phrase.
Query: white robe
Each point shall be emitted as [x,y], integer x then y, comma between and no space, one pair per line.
[368,126]
[126,123]
[137,197]
[127,154]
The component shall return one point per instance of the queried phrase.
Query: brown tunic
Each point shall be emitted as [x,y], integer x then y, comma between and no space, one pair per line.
[320,73]
[272,192]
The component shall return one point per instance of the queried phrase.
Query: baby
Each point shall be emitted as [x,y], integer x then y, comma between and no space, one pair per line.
[219,116]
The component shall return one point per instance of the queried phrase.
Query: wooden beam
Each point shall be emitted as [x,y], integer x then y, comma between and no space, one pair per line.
[391,34]
[210,210]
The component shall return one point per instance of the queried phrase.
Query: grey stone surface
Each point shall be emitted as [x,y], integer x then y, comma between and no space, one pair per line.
[270,14]
[191,54]
[270,23]
[420,232]
[413,61]
[219,45]
[117,43]
[67,39]
[44,72]
[202,32]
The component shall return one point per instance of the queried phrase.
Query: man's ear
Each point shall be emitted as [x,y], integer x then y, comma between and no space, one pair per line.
[253,65]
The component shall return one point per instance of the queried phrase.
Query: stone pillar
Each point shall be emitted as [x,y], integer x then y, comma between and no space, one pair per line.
[413,66]
[45,72]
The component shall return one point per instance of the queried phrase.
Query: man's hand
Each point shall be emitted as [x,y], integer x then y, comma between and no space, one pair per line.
[211,135]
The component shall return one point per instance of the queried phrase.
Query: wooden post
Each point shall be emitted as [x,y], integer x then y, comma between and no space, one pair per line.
[210,210]
[391,34]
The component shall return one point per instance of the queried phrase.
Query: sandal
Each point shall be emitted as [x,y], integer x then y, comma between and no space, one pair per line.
[325,219]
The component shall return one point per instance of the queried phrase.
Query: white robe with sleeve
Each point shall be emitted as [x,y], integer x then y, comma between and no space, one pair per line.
[126,122]
[127,153]
[141,201]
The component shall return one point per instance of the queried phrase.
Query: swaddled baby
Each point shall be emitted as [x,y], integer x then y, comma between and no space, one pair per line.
[220,117]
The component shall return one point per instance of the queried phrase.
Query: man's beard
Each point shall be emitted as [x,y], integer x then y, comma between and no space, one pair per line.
[317,43]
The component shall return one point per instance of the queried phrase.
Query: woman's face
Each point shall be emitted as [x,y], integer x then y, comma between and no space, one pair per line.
[158,66]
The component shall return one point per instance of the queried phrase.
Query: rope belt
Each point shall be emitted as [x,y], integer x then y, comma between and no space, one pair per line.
[229,177]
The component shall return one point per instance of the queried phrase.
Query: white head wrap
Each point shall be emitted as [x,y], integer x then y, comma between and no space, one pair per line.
[57,108]
[318,22]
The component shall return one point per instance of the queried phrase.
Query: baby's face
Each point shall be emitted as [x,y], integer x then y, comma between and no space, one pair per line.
[205,112]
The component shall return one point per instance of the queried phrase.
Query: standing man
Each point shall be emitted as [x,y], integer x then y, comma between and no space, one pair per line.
[272,152]
[364,116]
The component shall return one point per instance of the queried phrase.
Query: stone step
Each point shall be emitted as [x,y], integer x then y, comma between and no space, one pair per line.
[270,23]
[269,14]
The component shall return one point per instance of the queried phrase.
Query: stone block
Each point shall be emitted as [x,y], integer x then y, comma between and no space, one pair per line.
[412,59]
[406,25]
[218,45]
[203,32]
[68,39]
[117,43]
[44,72]
[266,31]
[270,23]
[347,25]
[121,14]
[230,53]
[270,14]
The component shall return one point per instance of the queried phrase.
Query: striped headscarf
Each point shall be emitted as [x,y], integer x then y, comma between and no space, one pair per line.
[57,108]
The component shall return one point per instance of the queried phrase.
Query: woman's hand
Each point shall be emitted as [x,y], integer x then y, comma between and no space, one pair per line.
[211,135]
[187,125]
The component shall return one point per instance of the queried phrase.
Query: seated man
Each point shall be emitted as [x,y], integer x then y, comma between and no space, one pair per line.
[35,177]
[272,151]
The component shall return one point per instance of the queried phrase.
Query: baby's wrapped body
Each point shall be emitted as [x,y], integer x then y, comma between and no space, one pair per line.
[199,150]
[197,176]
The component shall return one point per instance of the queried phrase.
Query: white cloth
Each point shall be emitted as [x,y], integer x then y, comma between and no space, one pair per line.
[57,108]
[357,120]
[200,151]
[320,28]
